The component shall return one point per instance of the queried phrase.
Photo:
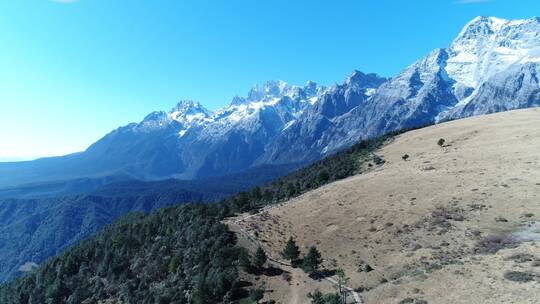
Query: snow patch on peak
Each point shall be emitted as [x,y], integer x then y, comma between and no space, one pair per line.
[489,45]
[155,116]
[289,124]
[482,25]
[269,90]
[314,89]
[153,121]
[274,92]
[423,70]
[370,91]
[188,111]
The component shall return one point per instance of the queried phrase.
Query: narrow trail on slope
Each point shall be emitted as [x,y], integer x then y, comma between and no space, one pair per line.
[295,293]
[287,266]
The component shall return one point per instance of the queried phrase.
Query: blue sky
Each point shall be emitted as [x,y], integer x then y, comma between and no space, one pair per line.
[71,71]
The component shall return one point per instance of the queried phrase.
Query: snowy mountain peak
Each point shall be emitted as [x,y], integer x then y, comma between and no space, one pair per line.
[269,90]
[488,45]
[238,100]
[364,81]
[313,89]
[480,26]
[155,116]
[355,76]
[188,111]
[275,90]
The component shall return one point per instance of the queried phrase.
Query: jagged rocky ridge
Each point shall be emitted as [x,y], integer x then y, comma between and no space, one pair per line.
[491,66]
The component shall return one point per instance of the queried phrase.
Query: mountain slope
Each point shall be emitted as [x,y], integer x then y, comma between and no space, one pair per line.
[465,215]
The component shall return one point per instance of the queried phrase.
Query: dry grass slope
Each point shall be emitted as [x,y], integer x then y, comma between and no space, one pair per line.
[451,224]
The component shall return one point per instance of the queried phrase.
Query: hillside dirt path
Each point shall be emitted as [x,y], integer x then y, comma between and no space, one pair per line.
[297,295]
[295,292]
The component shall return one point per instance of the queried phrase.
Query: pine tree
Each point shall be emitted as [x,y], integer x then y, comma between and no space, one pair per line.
[174,263]
[260,258]
[291,190]
[316,297]
[332,298]
[256,193]
[291,251]
[242,202]
[256,295]
[312,260]
[323,177]
[244,260]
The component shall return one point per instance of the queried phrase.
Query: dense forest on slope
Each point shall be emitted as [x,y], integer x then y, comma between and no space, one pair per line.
[180,254]
[35,229]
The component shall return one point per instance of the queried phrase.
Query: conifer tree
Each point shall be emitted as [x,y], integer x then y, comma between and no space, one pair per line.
[291,251]
[312,260]
[259,258]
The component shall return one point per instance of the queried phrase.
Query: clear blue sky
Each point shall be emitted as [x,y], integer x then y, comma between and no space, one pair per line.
[71,71]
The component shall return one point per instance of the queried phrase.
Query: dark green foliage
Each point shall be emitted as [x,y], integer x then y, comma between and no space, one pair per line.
[318,297]
[519,276]
[441,142]
[312,260]
[256,294]
[256,193]
[156,258]
[291,251]
[244,260]
[323,177]
[174,264]
[259,258]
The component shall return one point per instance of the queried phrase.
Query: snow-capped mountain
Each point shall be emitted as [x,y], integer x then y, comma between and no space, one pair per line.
[488,46]
[495,62]
[310,135]
[492,65]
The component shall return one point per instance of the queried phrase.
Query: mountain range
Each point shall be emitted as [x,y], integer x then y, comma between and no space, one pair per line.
[491,66]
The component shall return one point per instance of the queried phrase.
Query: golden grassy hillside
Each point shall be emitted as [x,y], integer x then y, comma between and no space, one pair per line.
[450,224]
